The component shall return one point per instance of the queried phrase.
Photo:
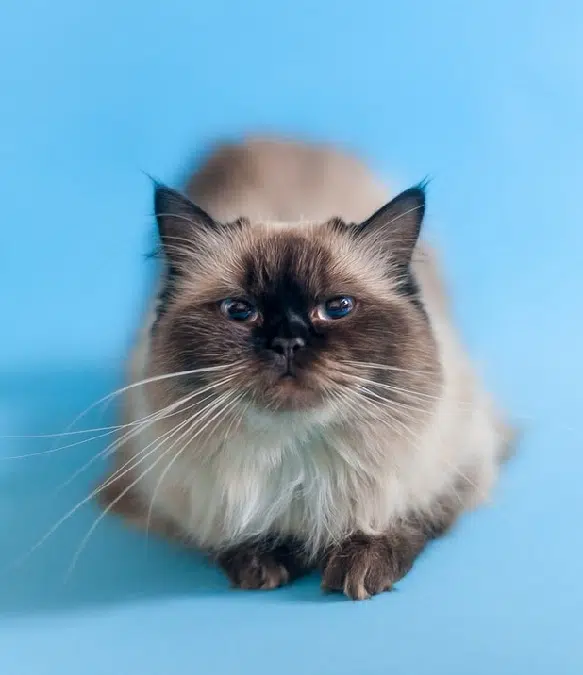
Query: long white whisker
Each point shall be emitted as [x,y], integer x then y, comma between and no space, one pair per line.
[141,456]
[237,366]
[42,453]
[125,491]
[116,475]
[112,430]
[397,407]
[146,422]
[119,497]
[120,442]
[238,419]
[70,513]
[414,394]
[78,432]
[410,436]
[228,404]
[380,366]
[461,474]
[411,393]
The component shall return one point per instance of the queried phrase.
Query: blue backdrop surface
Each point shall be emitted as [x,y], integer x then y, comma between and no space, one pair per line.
[485,97]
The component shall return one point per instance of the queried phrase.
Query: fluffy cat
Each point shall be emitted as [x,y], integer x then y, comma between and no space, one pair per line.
[299,396]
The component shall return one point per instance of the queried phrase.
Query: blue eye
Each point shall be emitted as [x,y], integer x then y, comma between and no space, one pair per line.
[238,310]
[336,308]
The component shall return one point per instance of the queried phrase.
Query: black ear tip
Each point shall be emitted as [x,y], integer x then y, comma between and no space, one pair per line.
[160,198]
[417,193]
[162,191]
[413,199]
[165,198]
[158,186]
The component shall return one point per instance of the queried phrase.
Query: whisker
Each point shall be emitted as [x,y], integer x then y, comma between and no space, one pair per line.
[42,453]
[128,466]
[113,429]
[357,399]
[380,366]
[168,434]
[120,442]
[108,430]
[106,510]
[73,510]
[114,447]
[238,366]
[395,406]
[227,405]
[461,474]
[416,394]
[400,390]
[117,499]
[139,457]
[78,432]
[410,436]
[239,419]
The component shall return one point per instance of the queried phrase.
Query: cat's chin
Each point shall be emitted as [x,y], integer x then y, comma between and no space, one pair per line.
[291,394]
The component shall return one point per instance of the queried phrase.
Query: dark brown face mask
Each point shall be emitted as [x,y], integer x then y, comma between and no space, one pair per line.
[292,311]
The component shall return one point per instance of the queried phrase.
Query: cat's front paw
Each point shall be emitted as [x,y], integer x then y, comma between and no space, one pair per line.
[363,566]
[253,569]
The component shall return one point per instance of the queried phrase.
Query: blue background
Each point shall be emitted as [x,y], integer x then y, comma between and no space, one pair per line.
[487,98]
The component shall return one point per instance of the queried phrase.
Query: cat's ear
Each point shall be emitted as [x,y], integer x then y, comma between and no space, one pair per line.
[182,226]
[395,227]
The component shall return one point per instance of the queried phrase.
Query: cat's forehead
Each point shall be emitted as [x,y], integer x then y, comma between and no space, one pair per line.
[307,262]
[288,264]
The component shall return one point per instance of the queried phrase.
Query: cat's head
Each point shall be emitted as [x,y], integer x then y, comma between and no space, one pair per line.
[302,317]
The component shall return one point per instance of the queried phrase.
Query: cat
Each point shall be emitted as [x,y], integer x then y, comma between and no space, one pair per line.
[299,397]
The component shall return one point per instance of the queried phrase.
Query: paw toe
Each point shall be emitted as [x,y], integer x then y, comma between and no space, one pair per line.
[358,569]
[255,571]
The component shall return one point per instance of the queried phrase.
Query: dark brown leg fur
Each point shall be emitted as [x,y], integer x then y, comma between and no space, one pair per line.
[364,565]
[263,565]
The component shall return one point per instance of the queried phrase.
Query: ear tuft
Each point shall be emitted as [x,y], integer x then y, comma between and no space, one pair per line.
[180,222]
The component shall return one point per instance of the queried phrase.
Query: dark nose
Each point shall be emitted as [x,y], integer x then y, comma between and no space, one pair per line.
[287,346]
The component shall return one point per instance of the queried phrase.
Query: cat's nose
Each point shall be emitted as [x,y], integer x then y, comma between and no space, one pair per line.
[287,346]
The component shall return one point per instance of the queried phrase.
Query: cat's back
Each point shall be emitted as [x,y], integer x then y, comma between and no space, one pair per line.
[272,179]
[269,179]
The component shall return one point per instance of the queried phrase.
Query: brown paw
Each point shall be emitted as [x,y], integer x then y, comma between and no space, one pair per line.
[251,569]
[363,566]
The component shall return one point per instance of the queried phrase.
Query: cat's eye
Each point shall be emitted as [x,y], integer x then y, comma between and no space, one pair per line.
[336,308]
[238,310]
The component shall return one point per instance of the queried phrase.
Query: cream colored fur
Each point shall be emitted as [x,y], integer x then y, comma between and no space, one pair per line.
[298,474]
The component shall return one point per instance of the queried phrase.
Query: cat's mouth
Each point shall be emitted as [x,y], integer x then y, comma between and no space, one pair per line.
[292,389]
[289,379]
